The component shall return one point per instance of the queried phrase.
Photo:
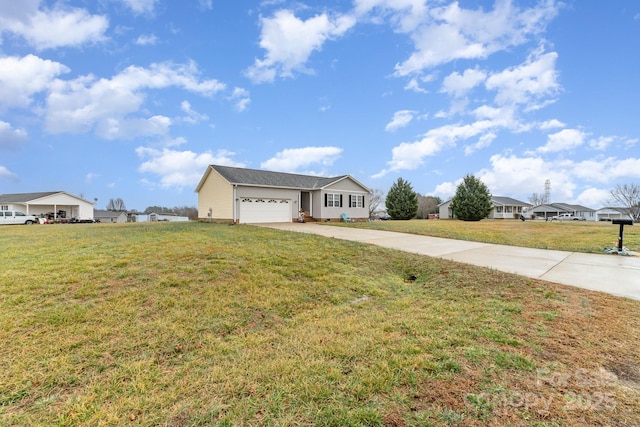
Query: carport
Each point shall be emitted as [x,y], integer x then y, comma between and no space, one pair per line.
[57,205]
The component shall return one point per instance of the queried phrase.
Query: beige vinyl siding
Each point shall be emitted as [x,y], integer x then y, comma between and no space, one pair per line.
[346,188]
[215,194]
[345,185]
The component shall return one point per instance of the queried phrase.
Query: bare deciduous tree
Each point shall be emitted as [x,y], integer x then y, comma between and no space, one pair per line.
[628,196]
[427,205]
[375,199]
[116,205]
[537,199]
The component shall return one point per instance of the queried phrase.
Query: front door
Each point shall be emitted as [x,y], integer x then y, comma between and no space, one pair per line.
[305,202]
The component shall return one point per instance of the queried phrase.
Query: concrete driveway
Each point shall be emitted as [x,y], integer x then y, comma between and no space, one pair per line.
[614,274]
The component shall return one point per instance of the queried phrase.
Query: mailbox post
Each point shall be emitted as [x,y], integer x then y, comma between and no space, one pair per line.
[622,223]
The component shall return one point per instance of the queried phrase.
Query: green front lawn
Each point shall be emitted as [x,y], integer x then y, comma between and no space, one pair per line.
[187,324]
[575,236]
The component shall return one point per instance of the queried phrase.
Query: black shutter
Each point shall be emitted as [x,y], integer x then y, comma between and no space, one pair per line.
[341,200]
[325,200]
[350,200]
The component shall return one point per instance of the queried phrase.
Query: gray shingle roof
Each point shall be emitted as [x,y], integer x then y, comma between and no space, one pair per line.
[262,178]
[25,197]
[98,213]
[508,201]
[572,208]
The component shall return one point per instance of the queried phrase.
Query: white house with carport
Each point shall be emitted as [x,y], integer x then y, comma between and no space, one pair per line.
[501,208]
[546,211]
[238,195]
[56,205]
[611,213]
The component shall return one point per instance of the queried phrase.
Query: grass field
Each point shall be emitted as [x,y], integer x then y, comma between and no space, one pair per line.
[193,324]
[575,236]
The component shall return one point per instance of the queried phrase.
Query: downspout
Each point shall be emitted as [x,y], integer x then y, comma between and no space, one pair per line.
[235,202]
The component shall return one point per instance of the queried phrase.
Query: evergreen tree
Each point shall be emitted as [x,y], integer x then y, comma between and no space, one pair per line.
[402,201]
[472,201]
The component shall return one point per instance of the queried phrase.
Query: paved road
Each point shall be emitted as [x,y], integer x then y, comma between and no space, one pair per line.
[613,274]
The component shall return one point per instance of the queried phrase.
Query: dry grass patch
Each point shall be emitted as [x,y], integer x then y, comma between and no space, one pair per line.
[200,324]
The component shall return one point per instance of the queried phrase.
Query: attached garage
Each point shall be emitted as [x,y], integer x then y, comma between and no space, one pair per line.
[257,210]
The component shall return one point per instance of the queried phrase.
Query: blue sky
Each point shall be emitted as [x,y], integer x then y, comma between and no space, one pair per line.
[133,99]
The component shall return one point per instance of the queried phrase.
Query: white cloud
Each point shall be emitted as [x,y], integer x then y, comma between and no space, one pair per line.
[400,119]
[46,28]
[551,124]
[566,139]
[406,15]
[107,105]
[206,4]
[10,138]
[415,83]
[241,98]
[124,128]
[446,190]
[414,86]
[606,170]
[21,78]
[531,81]
[410,155]
[458,85]
[625,168]
[484,141]
[447,33]
[290,41]
[6,174]
[192,117]
[601,143]
[90,177]
[594,198]
[146,40]
[515,176]
[140,6]
[181,168]
[294,159]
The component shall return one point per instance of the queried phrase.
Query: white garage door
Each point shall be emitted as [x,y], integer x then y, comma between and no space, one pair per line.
[254,210]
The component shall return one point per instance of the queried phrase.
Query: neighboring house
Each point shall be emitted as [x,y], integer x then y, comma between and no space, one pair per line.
[237,195]
[507,208]
[501,208]
[54,205]
[445,211]
[611,213]
[153,217]
[578,210]
[547,211]
[110,216]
